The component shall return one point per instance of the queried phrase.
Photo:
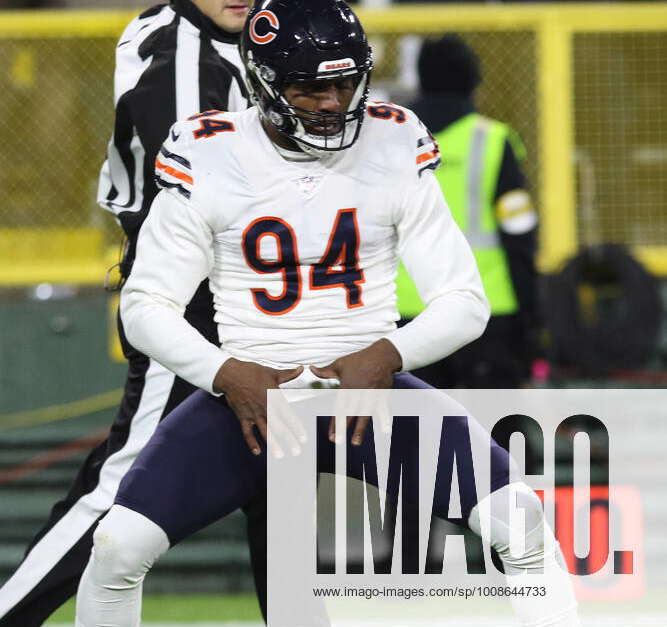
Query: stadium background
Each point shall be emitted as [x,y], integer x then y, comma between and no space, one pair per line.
[585,86]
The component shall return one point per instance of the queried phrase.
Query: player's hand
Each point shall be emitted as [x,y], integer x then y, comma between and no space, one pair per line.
[244,384]
[370,368]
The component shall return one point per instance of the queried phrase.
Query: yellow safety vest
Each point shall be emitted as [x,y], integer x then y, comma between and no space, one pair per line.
[471,149]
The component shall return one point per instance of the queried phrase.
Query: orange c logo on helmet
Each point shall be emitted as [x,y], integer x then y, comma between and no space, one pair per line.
[269,36]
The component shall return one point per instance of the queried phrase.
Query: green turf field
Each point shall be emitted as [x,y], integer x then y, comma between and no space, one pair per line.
[233,609]
[184,609]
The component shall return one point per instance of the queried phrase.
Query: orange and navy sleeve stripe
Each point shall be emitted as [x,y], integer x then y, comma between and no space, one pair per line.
[172,171]
[428,153]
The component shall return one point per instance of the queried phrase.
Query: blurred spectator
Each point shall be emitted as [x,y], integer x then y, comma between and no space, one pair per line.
[486,191]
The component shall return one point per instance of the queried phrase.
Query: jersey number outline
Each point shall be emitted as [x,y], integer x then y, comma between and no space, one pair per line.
[338,267]
[385,111]
[208,127]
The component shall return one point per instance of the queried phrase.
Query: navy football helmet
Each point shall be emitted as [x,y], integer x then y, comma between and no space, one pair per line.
[287,41]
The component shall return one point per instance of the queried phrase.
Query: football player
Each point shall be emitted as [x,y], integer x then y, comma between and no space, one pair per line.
[297,210]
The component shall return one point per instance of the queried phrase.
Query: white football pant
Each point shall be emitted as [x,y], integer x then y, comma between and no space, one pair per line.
[127,544]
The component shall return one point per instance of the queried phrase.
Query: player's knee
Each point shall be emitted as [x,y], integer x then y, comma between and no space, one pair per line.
[521,547]
[125,547]
[526,551]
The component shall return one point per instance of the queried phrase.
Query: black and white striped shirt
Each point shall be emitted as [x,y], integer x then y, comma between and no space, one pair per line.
[171,62]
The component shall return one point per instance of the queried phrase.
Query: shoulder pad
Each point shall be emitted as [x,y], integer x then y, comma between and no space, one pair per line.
[187,144]
[173,164]
[423,146]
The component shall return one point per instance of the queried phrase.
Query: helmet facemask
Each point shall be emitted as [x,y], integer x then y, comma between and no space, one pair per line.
[337,131]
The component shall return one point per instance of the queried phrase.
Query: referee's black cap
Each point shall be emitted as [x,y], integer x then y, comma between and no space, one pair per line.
[448,64]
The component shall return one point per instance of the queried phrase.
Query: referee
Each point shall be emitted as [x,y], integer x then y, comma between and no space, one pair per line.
[172,61]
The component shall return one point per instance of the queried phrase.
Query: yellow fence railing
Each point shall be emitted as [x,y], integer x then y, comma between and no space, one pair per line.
[584,85]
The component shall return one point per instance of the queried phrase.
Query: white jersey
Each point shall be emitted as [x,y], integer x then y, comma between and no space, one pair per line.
[301,256]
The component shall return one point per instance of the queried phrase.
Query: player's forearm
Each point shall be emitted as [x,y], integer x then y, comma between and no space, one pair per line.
[449,322]
[160,331]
